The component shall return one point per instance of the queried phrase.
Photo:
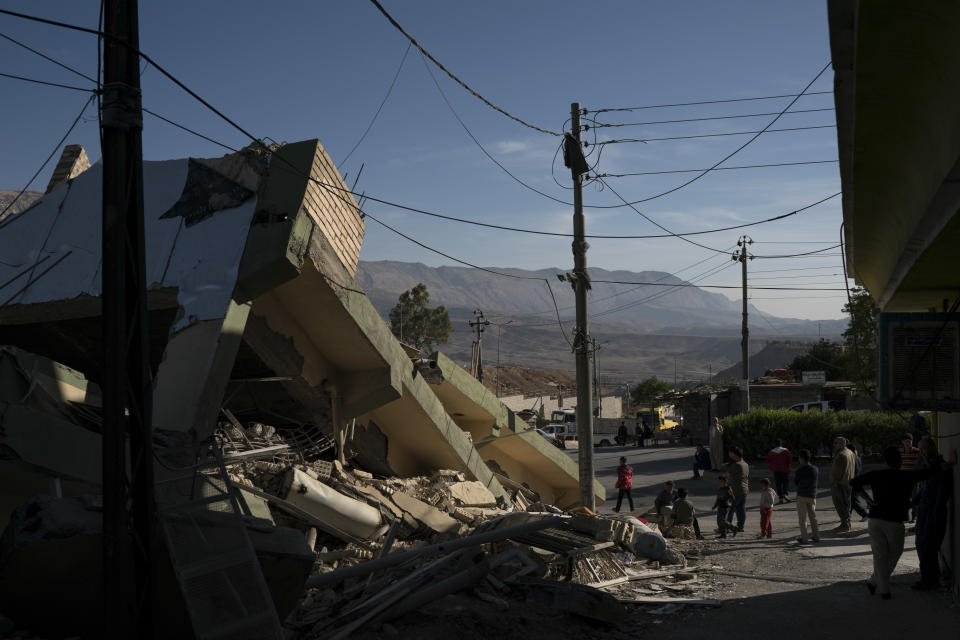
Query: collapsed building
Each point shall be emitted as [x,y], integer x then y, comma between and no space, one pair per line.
[288,420]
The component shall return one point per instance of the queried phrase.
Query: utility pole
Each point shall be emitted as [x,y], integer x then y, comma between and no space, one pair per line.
[573,158]
[479,324]
[742,256]
[129,513]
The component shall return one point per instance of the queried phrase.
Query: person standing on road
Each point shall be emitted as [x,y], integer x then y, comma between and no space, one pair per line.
[767,496]
[721,505]
[738,473]
[888,510]
[910,456]
[855,504]
[780,459]
[701,461]
[918,427]
[935,494]
[716,444]
[622,434]
[624,483]
[841,473]
[638,434]
[805,480]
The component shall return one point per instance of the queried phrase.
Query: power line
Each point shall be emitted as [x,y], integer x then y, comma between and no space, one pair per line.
[794,269]
[657,224]
[714,286]
[188,130]
[470,264]
[738,149]
[46,57]
[798,255]
[455,78]
[746,166]
[45,162]
[477,142]
[605,125]
[689,104]
[45,82]
[379,108]
[140,53]
[712,135]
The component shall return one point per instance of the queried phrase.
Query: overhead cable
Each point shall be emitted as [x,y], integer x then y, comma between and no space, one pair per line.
[48,58]
[455,78]
[689,104]
[73,125]
[376,114]
[745,166]
[714,286]
[607,125]
[477,142]
[48,83]
[738,149]
[657,224]
[713,135]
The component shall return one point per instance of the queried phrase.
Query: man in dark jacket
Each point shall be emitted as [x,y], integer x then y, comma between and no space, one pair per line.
[889,504]
[935,493]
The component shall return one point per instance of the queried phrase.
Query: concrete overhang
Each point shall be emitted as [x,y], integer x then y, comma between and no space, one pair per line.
[499,435]
[897,93]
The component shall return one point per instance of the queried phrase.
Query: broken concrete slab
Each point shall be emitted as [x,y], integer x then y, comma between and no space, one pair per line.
[502,438]
[471,494]
[426,516]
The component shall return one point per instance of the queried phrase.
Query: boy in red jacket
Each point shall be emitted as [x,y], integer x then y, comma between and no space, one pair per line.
[779,459]
[624,483]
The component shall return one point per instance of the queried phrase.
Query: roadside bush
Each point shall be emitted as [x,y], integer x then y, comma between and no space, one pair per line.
[756,432]
[872,431]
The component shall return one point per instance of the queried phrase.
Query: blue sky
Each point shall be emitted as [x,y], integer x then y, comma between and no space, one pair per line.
[293,71]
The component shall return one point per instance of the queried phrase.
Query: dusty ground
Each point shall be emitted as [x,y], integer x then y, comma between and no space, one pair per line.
[515,380]
[794,591]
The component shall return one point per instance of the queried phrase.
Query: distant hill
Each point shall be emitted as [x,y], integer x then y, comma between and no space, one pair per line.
[641,330]
[774,355]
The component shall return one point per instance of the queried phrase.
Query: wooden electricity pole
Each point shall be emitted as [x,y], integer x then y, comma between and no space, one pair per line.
[573,158]
[745,328]
[129,524]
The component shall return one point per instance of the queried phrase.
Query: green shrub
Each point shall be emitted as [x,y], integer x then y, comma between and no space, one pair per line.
[756,432]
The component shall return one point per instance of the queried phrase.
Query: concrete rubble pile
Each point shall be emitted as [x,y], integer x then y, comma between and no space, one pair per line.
[386,545]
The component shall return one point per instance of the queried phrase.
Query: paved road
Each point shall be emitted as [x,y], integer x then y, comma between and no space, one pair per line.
[652,467]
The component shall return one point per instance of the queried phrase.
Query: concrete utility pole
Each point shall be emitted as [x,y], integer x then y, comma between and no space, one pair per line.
[479,324]
[129,513]
[573,158]
[745,329]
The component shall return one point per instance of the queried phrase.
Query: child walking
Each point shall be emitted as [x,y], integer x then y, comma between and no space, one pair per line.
[624,483]
[722,505]
[767,498]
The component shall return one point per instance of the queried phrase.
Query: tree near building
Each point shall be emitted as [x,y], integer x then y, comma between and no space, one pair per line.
[413,323]
[647,391]
[825,356]
[860,339]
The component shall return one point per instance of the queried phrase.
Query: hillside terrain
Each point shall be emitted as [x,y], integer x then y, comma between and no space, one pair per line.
[640,330]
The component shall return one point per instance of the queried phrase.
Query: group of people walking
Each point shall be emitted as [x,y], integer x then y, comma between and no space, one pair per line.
[916,481]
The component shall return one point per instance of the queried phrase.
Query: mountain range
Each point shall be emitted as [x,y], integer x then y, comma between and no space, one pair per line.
[656,328]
